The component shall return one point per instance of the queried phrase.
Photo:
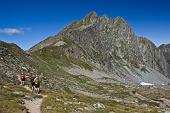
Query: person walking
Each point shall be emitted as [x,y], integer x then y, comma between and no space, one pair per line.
[33,83]
[37,84]
[23,78]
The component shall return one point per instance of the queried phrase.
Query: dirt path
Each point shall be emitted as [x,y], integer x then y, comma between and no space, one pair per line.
[33,105]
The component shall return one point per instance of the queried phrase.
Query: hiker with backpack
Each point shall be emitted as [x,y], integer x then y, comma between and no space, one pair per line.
[22,78]
[37,84]
[33,83]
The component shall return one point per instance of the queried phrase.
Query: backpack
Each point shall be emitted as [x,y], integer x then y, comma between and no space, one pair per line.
[36,80]
[32,79]
[22,77]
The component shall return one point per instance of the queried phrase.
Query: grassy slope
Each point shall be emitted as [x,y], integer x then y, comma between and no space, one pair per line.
[71,102]
[56,56]
[9,102]
[64,102]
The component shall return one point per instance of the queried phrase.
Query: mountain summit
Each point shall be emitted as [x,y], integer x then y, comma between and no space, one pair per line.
[110,46]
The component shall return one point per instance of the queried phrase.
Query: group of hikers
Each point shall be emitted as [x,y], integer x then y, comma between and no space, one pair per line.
[35,82]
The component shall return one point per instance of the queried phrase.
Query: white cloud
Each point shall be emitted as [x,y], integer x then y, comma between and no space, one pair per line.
[11,31]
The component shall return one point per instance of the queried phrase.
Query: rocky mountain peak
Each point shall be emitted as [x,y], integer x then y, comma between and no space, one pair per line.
[91,18]
[119,19]
[91,15]
[107,42]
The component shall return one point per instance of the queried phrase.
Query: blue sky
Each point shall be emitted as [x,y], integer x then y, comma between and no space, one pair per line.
[27,22]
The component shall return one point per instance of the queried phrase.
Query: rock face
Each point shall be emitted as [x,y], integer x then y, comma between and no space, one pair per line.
[13,61]
[9,64]
[166,52]
[112,47]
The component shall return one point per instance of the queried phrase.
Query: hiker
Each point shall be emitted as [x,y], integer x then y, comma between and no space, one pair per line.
[33,83]
[23,78]
[37,84]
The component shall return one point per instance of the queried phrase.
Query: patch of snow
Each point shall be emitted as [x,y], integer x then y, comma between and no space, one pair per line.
[146,84]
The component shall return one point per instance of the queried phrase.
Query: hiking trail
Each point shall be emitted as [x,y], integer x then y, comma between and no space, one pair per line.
[33,104]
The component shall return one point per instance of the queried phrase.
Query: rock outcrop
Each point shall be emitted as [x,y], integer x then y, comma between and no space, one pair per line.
[13,61]
[165,49]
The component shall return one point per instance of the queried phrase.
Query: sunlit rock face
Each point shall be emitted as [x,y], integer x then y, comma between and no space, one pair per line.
[165,49]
